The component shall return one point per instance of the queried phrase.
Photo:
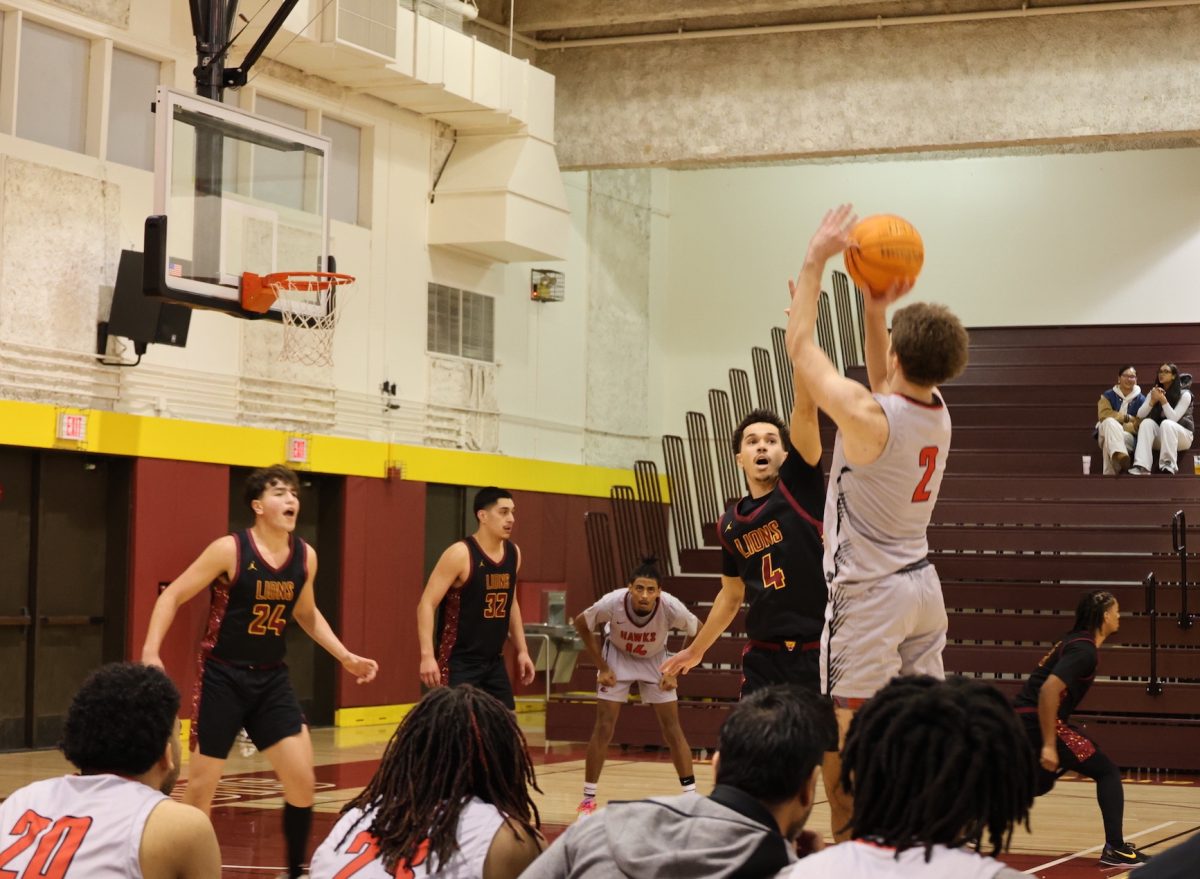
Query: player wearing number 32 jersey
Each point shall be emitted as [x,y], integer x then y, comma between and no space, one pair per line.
[885,614]
[473,593]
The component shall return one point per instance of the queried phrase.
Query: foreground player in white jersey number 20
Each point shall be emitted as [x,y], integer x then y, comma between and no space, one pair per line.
[637,620]
[885,614]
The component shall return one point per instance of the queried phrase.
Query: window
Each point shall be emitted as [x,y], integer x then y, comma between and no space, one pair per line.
[280,177]
[461,323]
[52,87]
[343,170]
[130,122]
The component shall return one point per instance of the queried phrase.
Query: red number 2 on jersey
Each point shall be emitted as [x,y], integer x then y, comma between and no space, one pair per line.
[56,848]
[928,460]
[367,848]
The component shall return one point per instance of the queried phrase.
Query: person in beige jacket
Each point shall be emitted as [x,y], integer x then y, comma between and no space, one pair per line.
[1117,421]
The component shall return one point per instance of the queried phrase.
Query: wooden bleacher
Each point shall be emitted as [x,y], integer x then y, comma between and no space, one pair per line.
[1017,535]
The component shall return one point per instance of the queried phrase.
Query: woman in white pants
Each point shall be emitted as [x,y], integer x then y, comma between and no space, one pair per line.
[1167,423]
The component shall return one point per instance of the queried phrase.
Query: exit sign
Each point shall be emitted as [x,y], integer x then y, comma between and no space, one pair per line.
[72,427]
[297,450]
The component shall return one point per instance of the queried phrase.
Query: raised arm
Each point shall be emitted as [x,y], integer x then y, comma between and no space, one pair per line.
[452,568]
[219,557]
[875,336]
[861,419]
[310,618]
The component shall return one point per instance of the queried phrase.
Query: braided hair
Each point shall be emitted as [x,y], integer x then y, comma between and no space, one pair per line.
[938,762]
[458,742]
[1089,613]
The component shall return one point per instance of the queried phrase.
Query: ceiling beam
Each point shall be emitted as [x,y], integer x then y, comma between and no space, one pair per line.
[555,15]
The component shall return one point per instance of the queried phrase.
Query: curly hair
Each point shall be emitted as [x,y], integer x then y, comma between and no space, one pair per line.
[932,762]
[120,720]
[773,740]
[264,477]
[930,343]
[458,742]
[761,416]
[1089,613]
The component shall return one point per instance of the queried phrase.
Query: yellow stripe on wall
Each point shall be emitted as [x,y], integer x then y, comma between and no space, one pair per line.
[34,425]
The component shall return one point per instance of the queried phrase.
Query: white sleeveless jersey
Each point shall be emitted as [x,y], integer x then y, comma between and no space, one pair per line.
[876,515]
[640,639]
[864,860]
[76,827]
[357,856]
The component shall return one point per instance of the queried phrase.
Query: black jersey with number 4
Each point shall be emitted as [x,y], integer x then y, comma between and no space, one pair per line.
[774,544]
[249,615]
[1074,661]
[474,616]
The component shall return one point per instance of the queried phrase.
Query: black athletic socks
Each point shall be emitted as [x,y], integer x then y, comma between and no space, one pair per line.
[297,822]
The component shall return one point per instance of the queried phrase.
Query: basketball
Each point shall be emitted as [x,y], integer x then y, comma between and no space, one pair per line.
[889,249]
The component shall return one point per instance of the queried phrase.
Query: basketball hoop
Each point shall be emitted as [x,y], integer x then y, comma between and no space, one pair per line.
[308,304]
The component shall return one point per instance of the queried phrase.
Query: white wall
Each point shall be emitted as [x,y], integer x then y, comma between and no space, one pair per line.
[1060,239]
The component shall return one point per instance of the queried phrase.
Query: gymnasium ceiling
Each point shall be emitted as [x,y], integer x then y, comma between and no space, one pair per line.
[581,19]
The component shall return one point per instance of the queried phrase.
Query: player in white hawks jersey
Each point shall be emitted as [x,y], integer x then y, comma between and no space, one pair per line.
[114,820]
[637,621]
[885,614]
[450,799]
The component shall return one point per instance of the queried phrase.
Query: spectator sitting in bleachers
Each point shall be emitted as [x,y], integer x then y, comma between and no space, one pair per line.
[934,767]
[769,749]
[1117,427]
[1167,423]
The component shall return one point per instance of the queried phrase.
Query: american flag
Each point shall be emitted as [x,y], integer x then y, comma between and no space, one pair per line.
[175,269]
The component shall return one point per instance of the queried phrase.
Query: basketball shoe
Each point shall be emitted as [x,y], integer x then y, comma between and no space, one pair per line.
[585,808]
[1123,855]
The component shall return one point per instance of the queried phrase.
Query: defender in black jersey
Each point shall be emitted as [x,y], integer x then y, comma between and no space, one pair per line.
[771,546]
[1045,704]
[473,593]
[260,580]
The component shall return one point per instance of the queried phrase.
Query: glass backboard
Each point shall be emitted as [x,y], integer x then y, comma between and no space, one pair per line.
[233,193]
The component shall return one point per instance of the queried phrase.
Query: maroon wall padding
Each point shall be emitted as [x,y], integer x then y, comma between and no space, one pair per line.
[178,509]
[383,549]
[549,530]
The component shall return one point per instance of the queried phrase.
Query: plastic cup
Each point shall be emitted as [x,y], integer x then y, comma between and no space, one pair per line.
[1087,464]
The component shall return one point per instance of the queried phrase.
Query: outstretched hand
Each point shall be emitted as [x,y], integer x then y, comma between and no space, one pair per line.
[681,663]
[900,287]
[833,235]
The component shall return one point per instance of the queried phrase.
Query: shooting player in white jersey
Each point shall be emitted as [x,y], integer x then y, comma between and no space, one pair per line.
[885,614]
[637,620]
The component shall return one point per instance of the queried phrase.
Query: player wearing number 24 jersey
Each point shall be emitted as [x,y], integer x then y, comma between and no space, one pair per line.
[885,614]
[115,819]
[260,580]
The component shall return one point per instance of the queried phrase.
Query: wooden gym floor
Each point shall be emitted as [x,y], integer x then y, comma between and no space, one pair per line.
[1161,810]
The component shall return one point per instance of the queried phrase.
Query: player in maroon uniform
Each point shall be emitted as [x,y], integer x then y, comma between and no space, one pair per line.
[260,579]
[473,589]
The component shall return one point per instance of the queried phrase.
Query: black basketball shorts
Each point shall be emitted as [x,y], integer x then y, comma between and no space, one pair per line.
[230,698]
[491,676]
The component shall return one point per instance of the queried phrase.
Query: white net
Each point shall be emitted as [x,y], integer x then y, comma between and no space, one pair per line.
[309,304]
